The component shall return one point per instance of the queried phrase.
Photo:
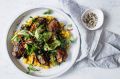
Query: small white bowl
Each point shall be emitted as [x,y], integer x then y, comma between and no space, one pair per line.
[100,17]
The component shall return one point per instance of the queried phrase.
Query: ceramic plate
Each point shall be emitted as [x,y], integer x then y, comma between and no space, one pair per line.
[72,54]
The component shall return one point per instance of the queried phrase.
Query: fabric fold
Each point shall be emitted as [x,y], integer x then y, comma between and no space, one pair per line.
[99,48]
[87,37]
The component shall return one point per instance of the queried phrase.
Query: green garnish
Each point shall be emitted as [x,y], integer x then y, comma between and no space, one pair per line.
[53,59]
[49,11]
[72,39]
[38,31]
[47,36]
[30,48]
[31,69]
[15,39]
[24,33]
[52,46]
[31,17]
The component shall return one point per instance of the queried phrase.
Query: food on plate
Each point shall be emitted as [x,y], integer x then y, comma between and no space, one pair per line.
[42,41]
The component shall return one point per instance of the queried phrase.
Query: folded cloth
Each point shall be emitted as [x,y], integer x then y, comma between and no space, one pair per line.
[99,48]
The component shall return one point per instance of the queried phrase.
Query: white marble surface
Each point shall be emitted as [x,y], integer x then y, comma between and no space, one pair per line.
[9,10]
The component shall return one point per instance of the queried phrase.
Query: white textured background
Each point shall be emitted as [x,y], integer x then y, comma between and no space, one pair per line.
[9,10]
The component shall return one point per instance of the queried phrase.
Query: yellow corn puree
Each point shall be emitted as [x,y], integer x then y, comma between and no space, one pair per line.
[65,33]
[49,18]
[28,22]
[33,60]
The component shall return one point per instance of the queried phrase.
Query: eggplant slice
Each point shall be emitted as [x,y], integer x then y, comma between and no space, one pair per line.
[61,55]
[53,25]
[18,51]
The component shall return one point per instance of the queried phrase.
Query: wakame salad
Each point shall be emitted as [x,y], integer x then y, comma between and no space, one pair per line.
[42,41]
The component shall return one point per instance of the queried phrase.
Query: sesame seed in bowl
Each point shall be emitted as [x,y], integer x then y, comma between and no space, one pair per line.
[92,19]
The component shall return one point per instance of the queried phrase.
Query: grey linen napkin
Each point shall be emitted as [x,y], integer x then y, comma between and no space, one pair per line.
[99,48]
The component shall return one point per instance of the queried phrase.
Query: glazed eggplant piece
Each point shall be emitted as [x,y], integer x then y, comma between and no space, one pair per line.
[61,55]
[18,50]
[25,27]
[43,60]
[15,49]
[41,20]
[53,25]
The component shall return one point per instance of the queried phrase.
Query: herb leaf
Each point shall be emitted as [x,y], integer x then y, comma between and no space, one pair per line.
[49,11]
[52,46]
[30,48]
[31,69]
[73,39]
[47,35]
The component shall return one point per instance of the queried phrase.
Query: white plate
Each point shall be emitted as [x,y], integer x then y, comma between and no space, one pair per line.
[72,54]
